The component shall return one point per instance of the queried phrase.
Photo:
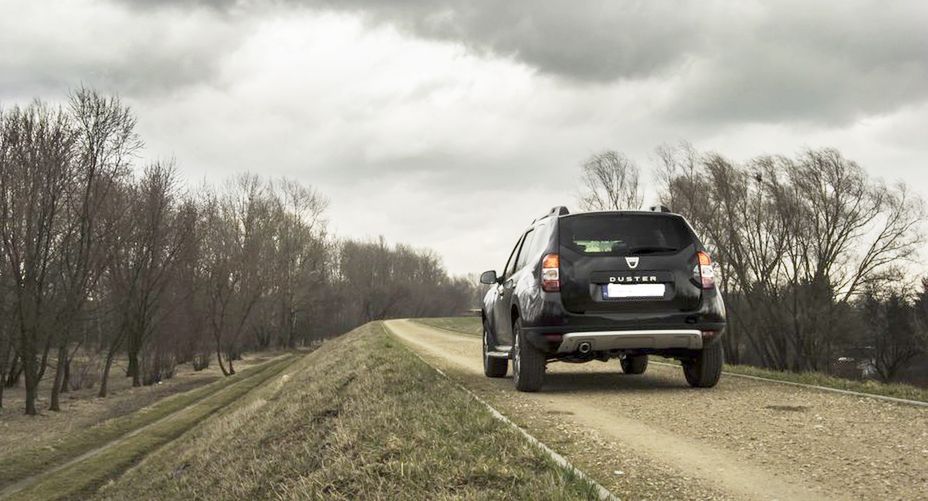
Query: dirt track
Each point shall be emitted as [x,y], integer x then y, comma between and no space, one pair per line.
[744,439]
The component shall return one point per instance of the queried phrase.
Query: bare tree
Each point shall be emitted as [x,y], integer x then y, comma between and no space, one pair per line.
[154,234]
[894,330]
[610,182]
[7,355]
[37,171]
[796,240]
[106,142]
[238,235]
[299,254]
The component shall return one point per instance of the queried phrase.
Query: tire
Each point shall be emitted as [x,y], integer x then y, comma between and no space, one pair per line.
[492,366]
[636,364]
[704,370]
[528,363]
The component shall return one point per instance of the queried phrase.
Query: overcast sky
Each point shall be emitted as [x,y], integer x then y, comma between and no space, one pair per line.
[451,125]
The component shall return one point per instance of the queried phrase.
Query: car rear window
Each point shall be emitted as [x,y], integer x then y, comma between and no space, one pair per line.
[623,234]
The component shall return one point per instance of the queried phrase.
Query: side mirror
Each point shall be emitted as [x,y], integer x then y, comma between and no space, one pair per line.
[489,277]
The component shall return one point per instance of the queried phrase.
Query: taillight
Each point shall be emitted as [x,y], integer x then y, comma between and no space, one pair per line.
[704,273]
[550,273]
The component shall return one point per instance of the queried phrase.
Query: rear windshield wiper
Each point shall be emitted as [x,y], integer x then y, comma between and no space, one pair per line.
[651,250]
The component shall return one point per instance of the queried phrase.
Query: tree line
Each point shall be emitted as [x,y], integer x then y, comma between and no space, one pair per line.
[103,261]
[817,259]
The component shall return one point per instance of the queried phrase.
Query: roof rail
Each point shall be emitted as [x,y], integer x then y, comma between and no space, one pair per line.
[560,210]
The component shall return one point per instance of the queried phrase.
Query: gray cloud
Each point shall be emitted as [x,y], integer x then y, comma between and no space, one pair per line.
[768,61]
[734,61]
[110,47]
[596,41]
[804,62]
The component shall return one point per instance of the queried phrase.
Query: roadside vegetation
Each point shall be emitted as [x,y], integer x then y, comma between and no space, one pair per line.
[471,326]
[465,325]
[360,418]
[896,390]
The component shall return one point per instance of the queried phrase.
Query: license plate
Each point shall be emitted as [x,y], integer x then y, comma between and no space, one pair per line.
[613,291]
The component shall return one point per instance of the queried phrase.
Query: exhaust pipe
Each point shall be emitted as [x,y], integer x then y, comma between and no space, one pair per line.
[584,347]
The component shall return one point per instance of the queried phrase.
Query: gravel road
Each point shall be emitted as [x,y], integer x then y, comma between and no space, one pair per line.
[740,440]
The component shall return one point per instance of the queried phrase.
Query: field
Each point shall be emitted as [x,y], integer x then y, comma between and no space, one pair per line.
[359,418]
[77,463]
[83,409]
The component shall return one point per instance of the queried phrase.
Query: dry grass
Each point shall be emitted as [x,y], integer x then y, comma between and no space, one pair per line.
[28,461]
[81,478]
[464,325]
[82,409]
[360,418]
[818,379]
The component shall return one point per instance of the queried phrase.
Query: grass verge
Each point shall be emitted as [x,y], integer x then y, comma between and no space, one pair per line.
[359,418]
[22,465]
[895,390]
[464,325]
[471,326]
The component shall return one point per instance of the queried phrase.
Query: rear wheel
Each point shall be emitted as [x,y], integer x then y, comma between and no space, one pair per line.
[492,366]
[704,369]
[528,363]
[634,364]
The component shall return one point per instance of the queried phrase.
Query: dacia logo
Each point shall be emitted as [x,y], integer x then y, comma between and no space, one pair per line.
[632,262]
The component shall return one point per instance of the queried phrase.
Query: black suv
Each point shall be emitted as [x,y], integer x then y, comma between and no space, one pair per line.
[602,285]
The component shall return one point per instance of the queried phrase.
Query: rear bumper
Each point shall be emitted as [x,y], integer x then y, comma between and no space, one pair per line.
[546,323]
[689,339]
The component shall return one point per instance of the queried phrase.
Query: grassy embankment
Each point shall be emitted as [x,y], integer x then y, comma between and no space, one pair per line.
[359,418]
[471,326]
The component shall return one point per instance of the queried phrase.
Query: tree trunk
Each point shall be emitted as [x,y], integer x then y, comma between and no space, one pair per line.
[222,366]
[4,360]
[32,384]
[44,365]
[134,341]
[291,330]
[105,378]
[66,379]
[55,404]
[135,370]
[15,372]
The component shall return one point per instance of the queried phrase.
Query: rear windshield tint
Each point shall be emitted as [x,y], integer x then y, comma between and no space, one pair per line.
[623,234]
